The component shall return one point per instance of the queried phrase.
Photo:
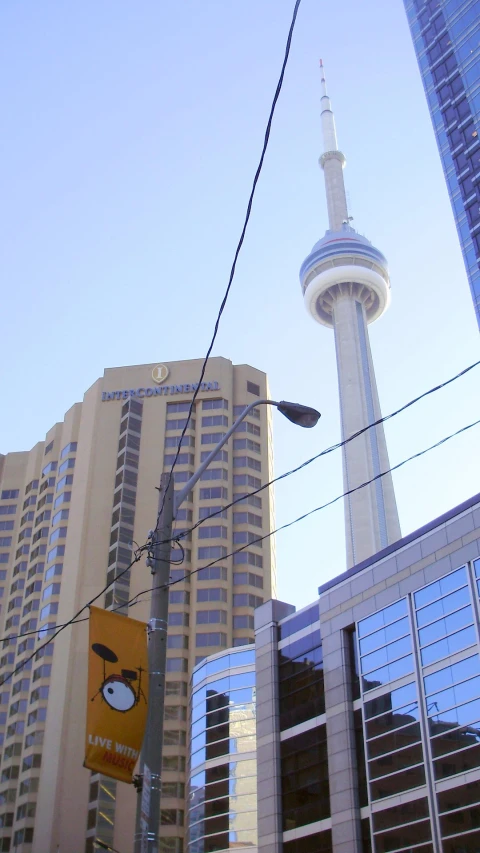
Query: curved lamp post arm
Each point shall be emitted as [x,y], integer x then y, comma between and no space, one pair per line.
[182,494]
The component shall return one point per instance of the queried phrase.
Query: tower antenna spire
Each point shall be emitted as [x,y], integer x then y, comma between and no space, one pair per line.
[332,162]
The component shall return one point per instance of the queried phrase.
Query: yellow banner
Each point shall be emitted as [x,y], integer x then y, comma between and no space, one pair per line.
[117,693]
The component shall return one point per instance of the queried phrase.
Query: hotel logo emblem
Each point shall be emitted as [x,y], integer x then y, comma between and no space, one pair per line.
[160,373]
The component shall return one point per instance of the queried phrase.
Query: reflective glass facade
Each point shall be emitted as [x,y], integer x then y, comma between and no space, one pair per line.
[420,677]
[222,812]
[446,37]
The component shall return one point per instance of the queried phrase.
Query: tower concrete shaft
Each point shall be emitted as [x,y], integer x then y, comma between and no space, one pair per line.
[346,285]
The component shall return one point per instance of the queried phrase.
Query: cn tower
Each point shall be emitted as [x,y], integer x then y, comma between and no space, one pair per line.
[346,286]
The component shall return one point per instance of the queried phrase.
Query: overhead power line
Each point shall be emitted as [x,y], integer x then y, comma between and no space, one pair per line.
[134,600]
[242,234]
[325,452]
[333,501]
[138,554]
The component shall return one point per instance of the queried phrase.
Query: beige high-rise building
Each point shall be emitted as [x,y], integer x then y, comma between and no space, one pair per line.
[71,511]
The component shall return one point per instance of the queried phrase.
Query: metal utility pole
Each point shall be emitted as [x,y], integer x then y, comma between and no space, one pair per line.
[148,805]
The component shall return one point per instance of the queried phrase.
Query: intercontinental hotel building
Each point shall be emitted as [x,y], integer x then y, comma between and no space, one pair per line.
[71,510]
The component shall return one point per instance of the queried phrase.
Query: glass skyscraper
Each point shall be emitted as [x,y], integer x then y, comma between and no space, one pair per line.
[446,37]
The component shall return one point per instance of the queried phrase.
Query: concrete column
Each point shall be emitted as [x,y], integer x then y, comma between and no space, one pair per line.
[342,762]
[269,792]
[371,517]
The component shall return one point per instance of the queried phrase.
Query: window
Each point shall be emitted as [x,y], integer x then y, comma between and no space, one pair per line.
[215,531]
[214,404]
[212,594]
[173,408]
[246,444]
[214,421]
[25,534]
[23,836]
[248,557]
[243,599]
[247,518]
[38,716]
[37,569]
[177,641]
[9,494]
[66,480]
[63,498]
[180,423]
[246,426]
[20,686]
[214,474]
[247,462]
[4,558]
[174,441]
[212,573]
[40,693]
[182,459]
[52,589]
[69,463]
[178,619]
[9,509]
[213,493]
[179,596]
[178,575]
[210,639]
[246,480]
[61,515]
[211,617]
[52,466]
[9,525]
[242,578]
[177,664]
[5,541]
[43,671]
[40,534]
[181,476]
[47,499]
[220,456]
[247,537]
[49,610]
[211,552]
[242,622]
[59,533]
[252,388]
[69,448]
[58,551]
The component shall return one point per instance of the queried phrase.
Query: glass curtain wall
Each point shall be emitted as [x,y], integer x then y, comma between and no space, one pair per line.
[420,685]
[222,812]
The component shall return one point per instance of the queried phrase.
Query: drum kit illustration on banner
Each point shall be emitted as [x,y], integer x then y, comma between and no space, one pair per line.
[120,691]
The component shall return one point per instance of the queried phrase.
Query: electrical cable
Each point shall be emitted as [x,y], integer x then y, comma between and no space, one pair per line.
[333,501]
[148,546]
[305,515]
[240,242]
[326,451]
[10,675]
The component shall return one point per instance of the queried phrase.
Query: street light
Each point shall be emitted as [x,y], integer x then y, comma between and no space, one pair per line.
[300,415]
[148,805]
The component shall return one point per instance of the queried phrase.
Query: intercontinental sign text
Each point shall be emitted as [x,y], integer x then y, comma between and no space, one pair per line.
[160,391]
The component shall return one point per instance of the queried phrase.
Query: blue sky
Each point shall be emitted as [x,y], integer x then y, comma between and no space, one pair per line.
[131,132]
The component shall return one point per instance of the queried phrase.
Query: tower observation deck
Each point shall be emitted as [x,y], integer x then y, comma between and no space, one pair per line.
[346,286]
